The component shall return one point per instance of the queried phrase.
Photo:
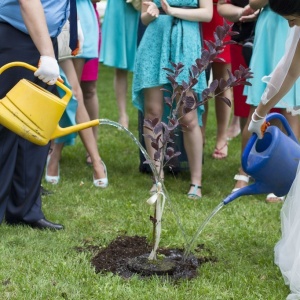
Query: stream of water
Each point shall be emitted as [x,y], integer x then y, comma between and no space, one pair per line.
[153,169]
[193,240]
[189,243]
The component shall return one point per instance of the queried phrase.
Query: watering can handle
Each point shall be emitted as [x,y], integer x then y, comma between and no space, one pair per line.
[253,138]
[285,124]
[68,92]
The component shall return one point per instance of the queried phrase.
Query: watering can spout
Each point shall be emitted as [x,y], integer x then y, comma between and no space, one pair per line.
[59,131]
[24,107]
[253,189]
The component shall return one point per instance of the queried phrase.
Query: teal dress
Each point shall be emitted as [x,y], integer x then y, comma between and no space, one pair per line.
[119,35]
[269,47]
[69,116]
[167,39]
[90,29]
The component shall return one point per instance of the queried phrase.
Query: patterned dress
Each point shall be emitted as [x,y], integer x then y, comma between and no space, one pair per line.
[167,39]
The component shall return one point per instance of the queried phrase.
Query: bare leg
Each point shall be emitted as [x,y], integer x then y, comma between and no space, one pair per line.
[91,102]
[222,112]
[245,137]
[121,86]
[193,145]
[234,128]
[153,109]
[53,159]
[89,90]
[82,116]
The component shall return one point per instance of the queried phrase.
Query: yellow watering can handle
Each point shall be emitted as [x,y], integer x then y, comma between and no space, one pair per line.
[68,92]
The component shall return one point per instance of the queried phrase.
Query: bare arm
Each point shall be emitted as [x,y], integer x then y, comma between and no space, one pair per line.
[149,12]
[35,21]
[292,75]
[258,4]
[201,14]
[233,13]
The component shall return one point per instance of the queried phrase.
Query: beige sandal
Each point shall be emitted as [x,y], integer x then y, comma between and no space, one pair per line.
[239,177]
[272,198]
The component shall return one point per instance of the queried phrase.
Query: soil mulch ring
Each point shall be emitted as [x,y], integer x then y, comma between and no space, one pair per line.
[125,256]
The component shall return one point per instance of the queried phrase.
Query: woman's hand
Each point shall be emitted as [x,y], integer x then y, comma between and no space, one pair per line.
[166,7]
[152,9]
[246,12]
[251,17]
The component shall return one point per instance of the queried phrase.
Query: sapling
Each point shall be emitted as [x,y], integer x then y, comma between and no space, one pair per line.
[182,98]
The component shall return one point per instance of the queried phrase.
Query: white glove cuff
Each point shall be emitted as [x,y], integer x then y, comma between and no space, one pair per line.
[260,117]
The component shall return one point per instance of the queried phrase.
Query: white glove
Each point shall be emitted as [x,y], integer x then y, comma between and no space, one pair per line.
[48,70]
[256,126]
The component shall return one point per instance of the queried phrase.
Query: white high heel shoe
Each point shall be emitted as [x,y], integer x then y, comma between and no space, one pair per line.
[102,182]
[51,179]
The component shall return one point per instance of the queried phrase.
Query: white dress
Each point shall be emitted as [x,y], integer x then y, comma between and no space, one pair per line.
[287,250]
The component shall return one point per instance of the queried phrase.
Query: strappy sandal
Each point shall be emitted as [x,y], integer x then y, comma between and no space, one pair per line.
[102,182]
[239,177]
[218,154]
[193,195]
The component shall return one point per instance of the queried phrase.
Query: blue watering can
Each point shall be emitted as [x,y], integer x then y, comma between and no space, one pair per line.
[271,161]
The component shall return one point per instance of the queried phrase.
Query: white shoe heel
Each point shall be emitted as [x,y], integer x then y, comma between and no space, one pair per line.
[51,179]
[102,182]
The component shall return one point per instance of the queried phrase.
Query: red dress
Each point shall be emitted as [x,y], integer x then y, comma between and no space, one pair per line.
[208,30]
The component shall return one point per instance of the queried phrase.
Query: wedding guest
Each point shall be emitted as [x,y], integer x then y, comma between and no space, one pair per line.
[119,35]
[29,29]
[170,28]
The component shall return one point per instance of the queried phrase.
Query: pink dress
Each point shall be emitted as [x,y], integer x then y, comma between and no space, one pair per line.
[91,67]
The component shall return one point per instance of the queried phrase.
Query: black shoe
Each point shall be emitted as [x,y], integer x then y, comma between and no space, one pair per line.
[45,224]
[45,192]
[40,224]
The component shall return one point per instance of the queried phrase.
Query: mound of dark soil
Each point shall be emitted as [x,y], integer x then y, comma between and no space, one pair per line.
[127,255]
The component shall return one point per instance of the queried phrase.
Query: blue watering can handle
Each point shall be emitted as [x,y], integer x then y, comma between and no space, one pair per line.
[285,124]
[253,138]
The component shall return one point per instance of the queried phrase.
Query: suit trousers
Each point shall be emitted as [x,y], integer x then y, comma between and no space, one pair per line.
[21,162]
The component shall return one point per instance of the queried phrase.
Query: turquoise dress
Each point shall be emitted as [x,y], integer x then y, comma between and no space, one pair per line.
[269,47]
[90,29]
[119,35]
[69,116]
[167,39]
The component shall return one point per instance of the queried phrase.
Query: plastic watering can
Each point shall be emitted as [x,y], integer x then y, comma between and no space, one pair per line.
[33,112]
[271,161]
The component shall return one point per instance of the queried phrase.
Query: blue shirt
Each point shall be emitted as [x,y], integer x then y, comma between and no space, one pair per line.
[56,12]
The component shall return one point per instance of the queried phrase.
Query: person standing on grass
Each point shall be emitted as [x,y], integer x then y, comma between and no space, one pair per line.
[267,51]
[72,72]
[219,70]
[119,44]
[171,26]
[279,83]
[28,31]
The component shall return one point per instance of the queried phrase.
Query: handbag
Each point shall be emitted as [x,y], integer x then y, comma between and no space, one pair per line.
[248,44]
[137,4]
[248,49]
[63,40]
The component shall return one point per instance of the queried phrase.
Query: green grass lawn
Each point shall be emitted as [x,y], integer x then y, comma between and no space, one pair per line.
[242,235]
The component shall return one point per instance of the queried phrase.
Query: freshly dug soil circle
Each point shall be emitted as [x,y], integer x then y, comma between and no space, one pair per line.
[142,265]
[128,255]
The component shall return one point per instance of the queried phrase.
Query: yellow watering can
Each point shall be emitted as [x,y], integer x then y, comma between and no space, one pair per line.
[33,112]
